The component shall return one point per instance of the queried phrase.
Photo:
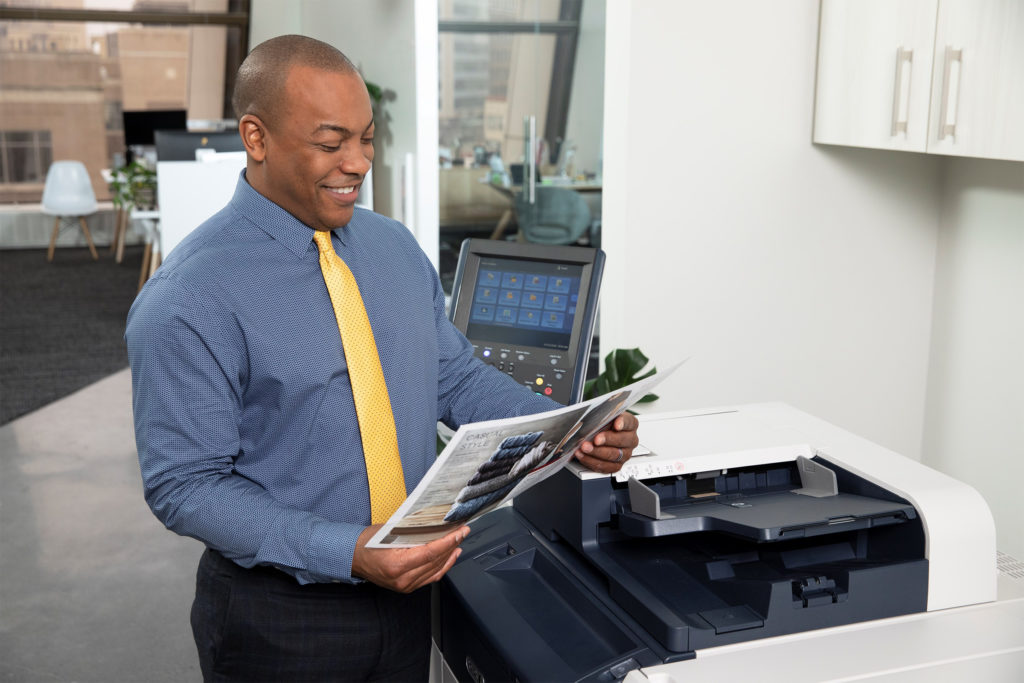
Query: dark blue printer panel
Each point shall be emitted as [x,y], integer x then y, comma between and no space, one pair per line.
[570,586]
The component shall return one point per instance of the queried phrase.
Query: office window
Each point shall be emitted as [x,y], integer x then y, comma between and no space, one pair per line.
[24,156]
[70,68]
[499,62]
[488,84]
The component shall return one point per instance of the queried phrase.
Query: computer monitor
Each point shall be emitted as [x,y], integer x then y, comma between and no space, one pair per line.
[139,126]
[529,310]
[181,145]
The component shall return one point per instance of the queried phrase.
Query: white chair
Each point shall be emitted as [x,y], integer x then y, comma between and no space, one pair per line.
[68,195]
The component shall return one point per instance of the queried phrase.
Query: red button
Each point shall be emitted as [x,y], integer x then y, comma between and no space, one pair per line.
[547,391]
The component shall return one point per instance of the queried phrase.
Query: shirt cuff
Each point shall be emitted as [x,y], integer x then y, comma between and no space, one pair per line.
[331,548]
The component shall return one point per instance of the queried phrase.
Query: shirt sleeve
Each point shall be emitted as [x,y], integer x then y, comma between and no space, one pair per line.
[469,390]
[188,368]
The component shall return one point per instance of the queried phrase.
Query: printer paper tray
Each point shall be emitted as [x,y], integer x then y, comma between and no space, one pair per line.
[770,516]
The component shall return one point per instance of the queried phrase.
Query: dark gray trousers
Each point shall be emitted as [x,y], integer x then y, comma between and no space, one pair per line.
[260,625]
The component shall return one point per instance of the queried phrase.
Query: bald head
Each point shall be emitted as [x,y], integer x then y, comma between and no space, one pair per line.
[260,85]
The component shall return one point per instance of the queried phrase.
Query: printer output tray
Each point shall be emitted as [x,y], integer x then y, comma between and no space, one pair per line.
[769,516]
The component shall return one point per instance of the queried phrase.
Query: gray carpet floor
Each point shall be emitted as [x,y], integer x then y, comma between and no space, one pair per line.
[61,323]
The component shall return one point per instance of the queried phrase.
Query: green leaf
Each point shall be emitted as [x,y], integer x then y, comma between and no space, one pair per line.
[375,91]
[610,368]
[620,369]
[646,374]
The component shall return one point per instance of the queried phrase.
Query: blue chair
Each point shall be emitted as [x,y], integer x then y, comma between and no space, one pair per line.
[68,195]
[558,216]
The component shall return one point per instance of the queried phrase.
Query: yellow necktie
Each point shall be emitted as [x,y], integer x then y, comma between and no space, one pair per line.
[373,407]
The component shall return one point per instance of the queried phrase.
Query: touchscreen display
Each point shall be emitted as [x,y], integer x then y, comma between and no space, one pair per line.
[524,303]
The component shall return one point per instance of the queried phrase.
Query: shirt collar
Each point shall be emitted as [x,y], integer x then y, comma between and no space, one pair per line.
[269,217]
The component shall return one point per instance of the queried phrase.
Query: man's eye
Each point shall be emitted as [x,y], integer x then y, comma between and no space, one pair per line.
[330,148]
[367,141]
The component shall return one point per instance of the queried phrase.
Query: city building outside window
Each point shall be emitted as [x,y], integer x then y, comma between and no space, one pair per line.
[69,69]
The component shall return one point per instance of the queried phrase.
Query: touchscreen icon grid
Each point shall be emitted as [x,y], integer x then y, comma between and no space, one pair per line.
[525,300]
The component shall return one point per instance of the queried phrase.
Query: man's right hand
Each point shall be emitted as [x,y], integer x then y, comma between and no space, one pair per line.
[406,569]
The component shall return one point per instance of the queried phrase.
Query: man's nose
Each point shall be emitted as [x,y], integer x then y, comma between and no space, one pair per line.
[356,161]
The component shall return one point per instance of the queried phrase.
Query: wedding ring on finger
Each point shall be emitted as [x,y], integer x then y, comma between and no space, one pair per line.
[619,459]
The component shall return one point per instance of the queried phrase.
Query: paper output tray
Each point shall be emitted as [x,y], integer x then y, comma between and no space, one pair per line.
[769,517]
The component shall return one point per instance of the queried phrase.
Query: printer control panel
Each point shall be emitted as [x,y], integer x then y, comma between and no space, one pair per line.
[548,373]
[529,311]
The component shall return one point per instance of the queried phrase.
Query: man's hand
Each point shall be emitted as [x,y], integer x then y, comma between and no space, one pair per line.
[610,448]
[406,569]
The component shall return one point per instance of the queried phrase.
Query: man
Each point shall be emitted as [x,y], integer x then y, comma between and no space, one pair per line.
[248,416]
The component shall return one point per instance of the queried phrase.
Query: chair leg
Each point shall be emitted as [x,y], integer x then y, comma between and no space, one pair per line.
[154,261]
[144,271]
[122,236]
[88,238]
[53,239]
[503,222]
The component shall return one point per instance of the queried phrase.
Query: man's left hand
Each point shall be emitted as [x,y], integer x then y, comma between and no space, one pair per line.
[612,447]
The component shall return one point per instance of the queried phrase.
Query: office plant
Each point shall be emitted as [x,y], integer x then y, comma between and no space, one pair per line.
[133,185]
[620,369]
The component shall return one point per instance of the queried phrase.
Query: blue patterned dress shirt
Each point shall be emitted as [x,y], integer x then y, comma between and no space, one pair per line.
[244,421]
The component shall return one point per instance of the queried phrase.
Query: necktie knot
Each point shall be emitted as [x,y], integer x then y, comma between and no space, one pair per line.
[323,241]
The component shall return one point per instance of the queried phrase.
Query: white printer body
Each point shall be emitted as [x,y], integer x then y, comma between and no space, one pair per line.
[741,523]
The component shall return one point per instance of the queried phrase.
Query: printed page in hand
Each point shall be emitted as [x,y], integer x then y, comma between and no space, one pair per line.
[486,463]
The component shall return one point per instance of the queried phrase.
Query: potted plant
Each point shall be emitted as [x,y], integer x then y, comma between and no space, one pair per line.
[133,186]
[620,369]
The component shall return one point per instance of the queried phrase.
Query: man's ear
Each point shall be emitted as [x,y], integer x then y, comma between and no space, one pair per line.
[254,134]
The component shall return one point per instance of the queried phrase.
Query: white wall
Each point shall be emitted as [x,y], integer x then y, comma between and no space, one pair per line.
[785,271]
[974,427]
[385,39]
[585,121]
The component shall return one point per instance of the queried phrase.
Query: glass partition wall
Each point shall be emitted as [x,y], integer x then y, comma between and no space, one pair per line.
[506,66]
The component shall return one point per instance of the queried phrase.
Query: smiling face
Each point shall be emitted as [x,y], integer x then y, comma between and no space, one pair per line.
[312,157]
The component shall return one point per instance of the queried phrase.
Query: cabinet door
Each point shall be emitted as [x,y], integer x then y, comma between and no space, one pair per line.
[977,105]
[874,73]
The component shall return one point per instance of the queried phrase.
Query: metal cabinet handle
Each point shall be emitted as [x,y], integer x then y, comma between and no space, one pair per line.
[899,125]
[945,126]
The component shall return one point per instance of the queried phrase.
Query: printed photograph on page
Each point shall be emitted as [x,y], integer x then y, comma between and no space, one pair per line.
[485,463]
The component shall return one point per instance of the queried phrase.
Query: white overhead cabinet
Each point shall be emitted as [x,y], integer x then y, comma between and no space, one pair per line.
[874,73]
[935,76]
